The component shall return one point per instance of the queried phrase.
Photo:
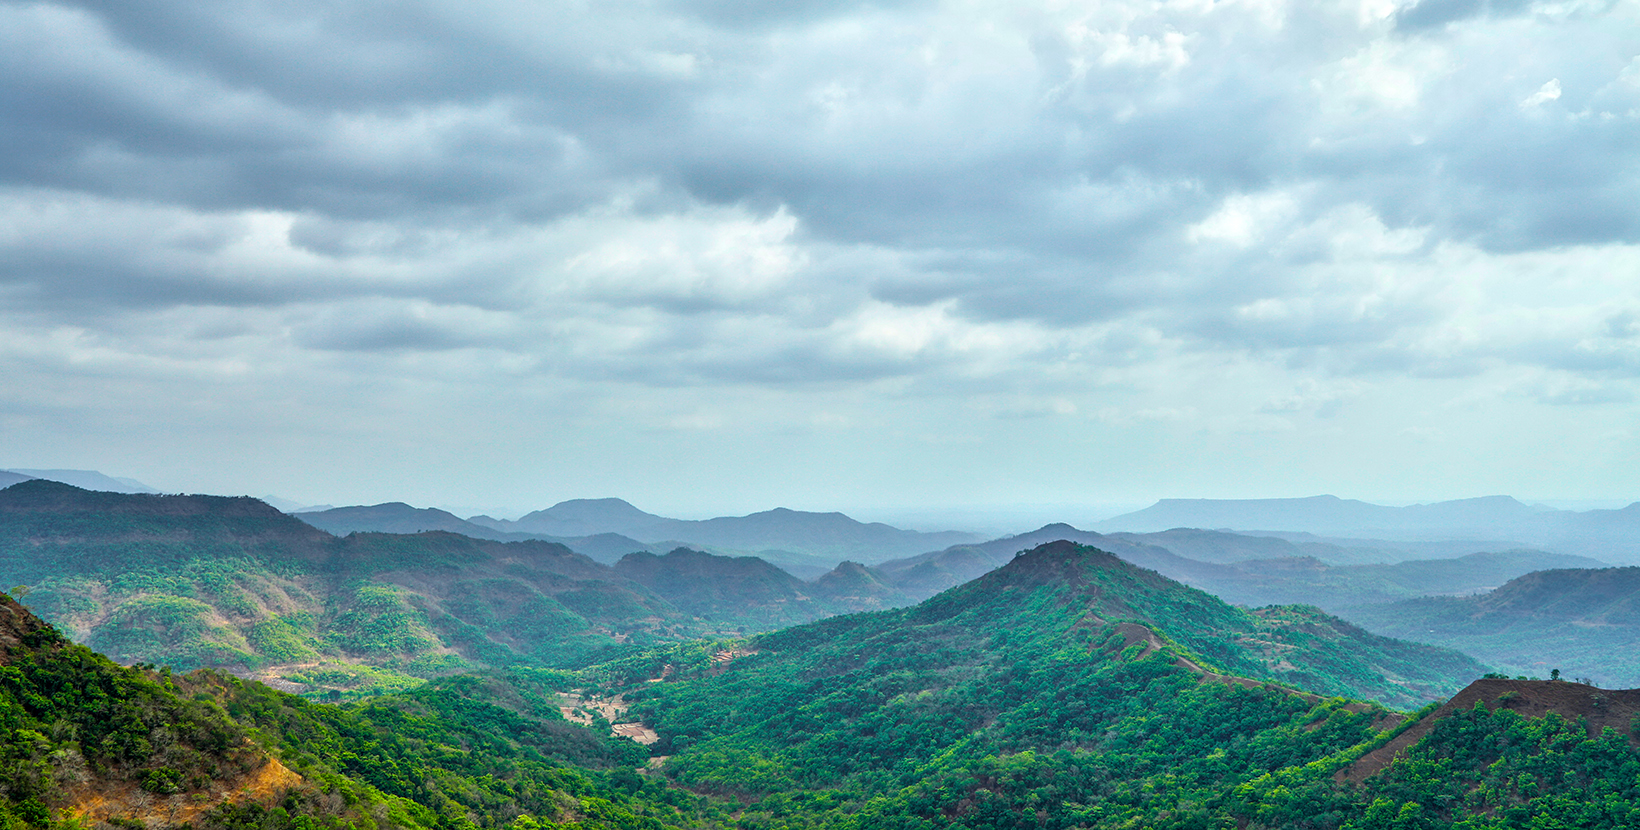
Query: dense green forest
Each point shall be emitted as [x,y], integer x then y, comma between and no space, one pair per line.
[1584,621]
[1066,689]
[83,740]
[208,581]
[1022,701]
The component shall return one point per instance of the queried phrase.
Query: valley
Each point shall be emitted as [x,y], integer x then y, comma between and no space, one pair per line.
[1059,678]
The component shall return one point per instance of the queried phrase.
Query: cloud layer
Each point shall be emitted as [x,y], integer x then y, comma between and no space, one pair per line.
[821,253]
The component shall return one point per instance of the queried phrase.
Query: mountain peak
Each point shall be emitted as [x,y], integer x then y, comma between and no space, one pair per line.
[1054,527]
[1060,552]
[577,508]
[1060,562]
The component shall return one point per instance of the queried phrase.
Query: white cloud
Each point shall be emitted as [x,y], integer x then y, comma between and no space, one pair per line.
[1244,218]
[1383,77]
[709,258]
[1176,222]
[1550,91]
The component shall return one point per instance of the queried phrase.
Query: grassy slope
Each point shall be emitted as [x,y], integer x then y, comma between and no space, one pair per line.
[193,581]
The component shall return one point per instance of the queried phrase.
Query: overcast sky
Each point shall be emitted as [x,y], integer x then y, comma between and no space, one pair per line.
[715,257]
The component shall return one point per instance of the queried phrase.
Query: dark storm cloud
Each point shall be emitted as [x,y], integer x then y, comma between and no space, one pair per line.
[771,192]
[234,106]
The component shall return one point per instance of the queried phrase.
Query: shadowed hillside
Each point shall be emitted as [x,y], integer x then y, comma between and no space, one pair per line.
[1585,622]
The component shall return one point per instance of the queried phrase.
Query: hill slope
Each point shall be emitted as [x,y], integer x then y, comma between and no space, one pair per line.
[1583,621]
[979,712]
[91,744]
[1291,644]
[741,590]
[1025,699]
[86,737]
[196,581]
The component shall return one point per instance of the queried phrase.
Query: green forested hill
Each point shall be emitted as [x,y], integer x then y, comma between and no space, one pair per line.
[1583,621]
[1071,587]
[196,581]
[1071,690]
[984,709]
[85,742]
[739,590]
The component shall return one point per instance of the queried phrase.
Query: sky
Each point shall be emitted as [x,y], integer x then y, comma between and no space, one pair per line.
[895,258]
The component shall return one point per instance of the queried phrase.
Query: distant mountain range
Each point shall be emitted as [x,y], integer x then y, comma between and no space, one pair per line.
[84,479]
[1327,515]
[1333,530]
[1519,608]
[398,517]
[806,544]
[210,580]
[1496,522]
[828,535]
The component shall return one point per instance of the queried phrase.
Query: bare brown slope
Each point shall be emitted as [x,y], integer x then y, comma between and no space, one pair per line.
[1532,698]
[84,735]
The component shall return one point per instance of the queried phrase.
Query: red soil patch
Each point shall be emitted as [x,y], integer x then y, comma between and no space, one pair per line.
[97,802]
[1532,698]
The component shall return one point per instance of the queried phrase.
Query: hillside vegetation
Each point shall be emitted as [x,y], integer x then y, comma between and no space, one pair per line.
[1071,690]
[206,581]
[1585,622]
[1067,690]
[86,742]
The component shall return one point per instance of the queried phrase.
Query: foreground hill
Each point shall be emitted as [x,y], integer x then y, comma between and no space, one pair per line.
[1071,690]
[1592,710]
[1585,622]
[88,743]
[120,735]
